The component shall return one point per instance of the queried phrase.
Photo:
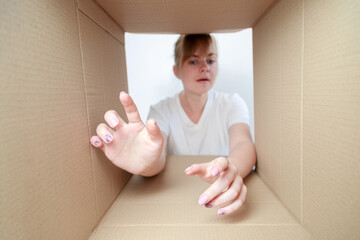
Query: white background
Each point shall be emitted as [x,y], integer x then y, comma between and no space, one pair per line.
[150,60]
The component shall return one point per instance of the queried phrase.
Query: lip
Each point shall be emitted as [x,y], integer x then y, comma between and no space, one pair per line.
[203,80]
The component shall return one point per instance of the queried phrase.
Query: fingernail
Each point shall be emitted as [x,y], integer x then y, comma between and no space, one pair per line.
[108,138]
[209,205]
[97,143]
[203,200]
[215,171]
[221,212]
[188,169]
[113,122]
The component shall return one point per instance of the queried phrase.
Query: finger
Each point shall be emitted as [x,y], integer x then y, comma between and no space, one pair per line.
[219,165]
[96,142]
[154,131]
[199,169]
[113,119]
[224,180]
[105,133]
[131,110]
[236,204]
[229,195]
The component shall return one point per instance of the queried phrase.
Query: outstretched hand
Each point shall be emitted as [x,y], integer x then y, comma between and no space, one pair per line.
[227,188]
[133,146]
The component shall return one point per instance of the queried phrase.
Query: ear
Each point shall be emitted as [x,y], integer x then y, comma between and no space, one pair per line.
[176,72]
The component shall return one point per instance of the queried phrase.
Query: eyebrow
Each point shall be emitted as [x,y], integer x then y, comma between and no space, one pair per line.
[209,55]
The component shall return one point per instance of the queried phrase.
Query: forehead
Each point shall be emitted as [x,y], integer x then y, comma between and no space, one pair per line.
[209,51]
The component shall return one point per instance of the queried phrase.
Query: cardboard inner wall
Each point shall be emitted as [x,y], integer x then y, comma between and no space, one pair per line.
[278,98]
[62,65]
[105,75]
[331,113]
[306,80]
[59,71]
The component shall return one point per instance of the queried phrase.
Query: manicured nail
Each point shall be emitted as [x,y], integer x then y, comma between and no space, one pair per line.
[188,169]
[209,205]
[221,212]
[113,122]
[215,172]
[108,138]
[97,143]
[203,200]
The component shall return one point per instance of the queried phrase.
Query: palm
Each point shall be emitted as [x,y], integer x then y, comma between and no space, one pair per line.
[131,146]
[134,144]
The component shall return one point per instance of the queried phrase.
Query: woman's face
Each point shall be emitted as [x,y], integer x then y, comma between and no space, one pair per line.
[198,72]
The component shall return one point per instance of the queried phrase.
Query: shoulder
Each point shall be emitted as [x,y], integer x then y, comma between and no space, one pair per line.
[227,99]
[165,108]
[168,102]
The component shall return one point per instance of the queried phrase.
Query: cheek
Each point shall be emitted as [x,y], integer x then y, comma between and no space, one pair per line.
[214,71]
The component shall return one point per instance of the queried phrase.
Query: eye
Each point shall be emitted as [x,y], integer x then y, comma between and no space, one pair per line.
[193,62]
[211,61]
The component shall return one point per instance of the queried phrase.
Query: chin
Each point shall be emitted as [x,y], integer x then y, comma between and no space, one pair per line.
[203,91]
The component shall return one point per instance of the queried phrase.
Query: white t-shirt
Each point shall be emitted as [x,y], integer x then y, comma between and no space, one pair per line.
[210,136]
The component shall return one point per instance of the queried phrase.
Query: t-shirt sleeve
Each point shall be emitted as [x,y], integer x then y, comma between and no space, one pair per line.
[238,112]
[160,119]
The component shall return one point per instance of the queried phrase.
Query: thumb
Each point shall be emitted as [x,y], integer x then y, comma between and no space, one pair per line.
[154,131]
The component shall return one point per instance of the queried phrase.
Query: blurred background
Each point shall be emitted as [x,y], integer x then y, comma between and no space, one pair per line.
[150,60]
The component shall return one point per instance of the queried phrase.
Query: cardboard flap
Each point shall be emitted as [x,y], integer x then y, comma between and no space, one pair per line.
[185,16]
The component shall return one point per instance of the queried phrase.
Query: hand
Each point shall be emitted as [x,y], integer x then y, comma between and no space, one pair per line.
[131,146]
[227,188]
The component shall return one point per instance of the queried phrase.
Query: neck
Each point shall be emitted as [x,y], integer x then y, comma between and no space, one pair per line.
[193,105]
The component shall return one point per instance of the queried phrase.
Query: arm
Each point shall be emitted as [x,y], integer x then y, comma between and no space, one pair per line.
[241,149]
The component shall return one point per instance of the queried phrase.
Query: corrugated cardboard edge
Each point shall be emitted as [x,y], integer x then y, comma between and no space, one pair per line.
[265,12]
[100,17]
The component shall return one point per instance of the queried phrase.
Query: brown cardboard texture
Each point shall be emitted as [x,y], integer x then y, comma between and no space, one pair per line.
[62,66]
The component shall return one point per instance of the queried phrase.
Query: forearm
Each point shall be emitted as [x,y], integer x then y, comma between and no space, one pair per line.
[243,156]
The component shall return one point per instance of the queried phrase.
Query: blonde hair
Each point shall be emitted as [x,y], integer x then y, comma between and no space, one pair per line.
[187,44]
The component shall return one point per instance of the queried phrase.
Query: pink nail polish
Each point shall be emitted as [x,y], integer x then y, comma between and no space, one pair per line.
[113,122]
[108,138]
[97,143]
[221,212]
[203,200]
[215,172]
[188,169]
[209,205]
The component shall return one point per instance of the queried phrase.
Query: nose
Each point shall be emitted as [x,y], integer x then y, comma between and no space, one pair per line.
[204,66]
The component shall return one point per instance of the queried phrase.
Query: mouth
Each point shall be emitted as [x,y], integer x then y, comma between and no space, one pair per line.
[203,80]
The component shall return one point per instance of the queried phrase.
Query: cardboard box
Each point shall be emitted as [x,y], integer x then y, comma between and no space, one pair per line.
[62,65]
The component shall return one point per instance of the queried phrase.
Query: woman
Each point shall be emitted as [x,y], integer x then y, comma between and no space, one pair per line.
[197,121]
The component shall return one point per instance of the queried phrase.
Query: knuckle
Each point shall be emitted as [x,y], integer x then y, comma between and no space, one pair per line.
[236,206]
[211,193]
[232,193]
[244,188]
[241,181]
[232,169]
[207,178]
[226,179]
[222,161]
